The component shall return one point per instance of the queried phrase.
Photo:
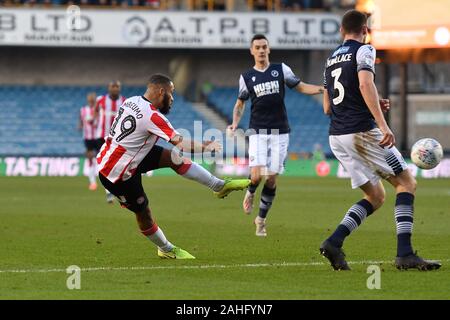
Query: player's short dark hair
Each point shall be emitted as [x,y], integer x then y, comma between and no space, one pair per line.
[114,83]
[353,21]
[258,36]
[159,79]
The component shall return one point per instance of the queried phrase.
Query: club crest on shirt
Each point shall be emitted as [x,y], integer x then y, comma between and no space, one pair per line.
[274,73]
[253,78]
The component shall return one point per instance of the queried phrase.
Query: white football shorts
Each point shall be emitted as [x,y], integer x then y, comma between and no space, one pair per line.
[363,158]
[269,151]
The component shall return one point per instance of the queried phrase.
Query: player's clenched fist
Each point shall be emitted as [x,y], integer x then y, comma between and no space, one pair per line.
[385,105]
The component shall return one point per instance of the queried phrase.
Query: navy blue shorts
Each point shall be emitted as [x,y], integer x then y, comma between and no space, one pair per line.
[91,145]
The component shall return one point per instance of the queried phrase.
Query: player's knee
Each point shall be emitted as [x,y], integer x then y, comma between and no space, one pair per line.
[173,160]
[255,179]
[377,199]
[409,185]
[405,182]
[183,167]
[271,182]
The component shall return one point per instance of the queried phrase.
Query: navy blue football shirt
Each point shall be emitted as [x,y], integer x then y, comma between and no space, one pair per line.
[266,92]
[349,112]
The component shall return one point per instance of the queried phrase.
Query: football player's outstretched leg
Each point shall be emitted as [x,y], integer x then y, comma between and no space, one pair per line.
[193,171]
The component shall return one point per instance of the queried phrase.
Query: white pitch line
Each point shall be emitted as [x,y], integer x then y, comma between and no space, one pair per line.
[197,267]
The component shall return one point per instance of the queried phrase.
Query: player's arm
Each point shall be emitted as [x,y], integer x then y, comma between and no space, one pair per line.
[365,60]
[239,106]
[192,146]
[326,96]
[159,125]
[326,103]
[292,81]
[238,111]
[370,94]
[310,89]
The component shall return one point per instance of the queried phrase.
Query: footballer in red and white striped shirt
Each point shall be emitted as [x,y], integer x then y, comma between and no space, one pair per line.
[130,151]
[88,127]
[106,108]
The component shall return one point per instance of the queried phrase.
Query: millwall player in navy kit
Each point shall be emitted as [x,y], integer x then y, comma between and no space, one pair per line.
[264,84]
[362,141]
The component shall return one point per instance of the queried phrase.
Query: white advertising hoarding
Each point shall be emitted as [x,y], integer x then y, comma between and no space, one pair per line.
[166,29]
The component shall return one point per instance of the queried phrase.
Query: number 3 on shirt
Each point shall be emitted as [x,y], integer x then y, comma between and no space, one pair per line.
[336,73]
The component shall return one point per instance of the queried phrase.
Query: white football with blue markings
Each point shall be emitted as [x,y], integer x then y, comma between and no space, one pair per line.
[426,153]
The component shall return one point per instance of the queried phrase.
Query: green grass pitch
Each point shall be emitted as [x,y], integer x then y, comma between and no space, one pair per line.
[48,224]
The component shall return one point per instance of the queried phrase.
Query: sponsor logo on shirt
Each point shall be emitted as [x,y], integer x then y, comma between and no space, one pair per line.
[341,50]
[266,88]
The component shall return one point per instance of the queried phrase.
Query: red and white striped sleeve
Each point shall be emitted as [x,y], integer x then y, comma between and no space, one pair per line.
[159,125]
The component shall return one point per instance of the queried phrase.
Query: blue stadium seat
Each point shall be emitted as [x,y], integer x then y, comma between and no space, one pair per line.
[42,120]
